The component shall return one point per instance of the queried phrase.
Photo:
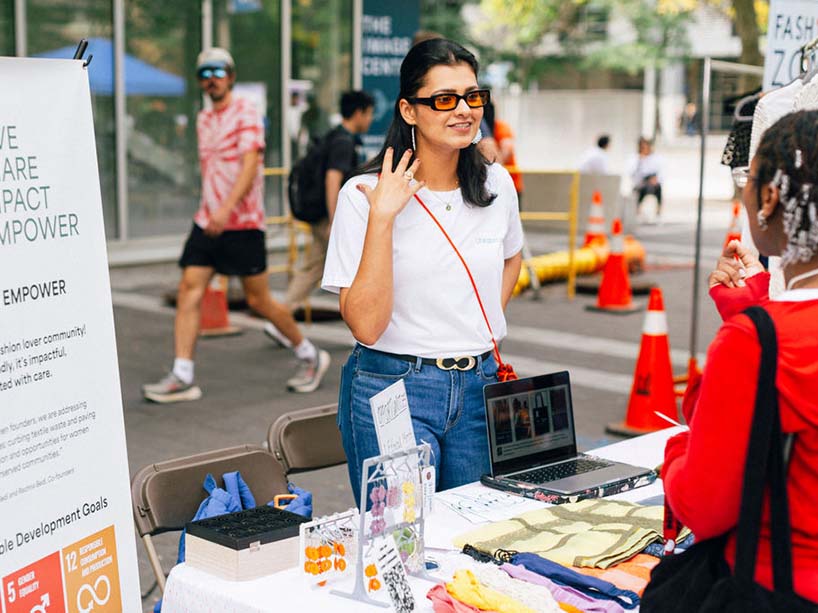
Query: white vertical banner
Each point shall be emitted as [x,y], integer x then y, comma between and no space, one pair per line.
[792,24]
[66,529]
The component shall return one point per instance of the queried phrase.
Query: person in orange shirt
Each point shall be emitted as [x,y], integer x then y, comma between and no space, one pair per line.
[504,139]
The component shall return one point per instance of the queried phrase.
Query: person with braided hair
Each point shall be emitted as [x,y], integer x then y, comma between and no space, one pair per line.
[703,469]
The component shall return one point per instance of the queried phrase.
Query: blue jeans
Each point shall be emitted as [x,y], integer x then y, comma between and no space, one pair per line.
[447,411]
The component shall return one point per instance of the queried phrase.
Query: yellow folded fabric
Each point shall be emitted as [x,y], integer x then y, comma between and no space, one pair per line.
[594,533]
[467,589]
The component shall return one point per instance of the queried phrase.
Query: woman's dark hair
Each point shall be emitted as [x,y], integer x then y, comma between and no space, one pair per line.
[471,165]
[788,157]
[489,117]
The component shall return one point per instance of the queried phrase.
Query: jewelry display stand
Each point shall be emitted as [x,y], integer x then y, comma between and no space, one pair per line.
[328,546]
[398,515]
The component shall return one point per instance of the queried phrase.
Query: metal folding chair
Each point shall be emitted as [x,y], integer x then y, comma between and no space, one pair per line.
[307,439]
[166,495]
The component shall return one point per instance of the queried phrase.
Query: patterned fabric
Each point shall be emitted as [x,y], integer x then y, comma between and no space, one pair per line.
[224,137]
[564,594]
[737,150]
[535,596]
[467,589]
[591,533]
[632,575]
[807,98]
[772,107]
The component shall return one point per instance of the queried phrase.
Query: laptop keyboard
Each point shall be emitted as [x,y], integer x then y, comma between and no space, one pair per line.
[562,470]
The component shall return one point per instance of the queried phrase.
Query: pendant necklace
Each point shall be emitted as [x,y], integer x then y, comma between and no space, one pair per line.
[446,203]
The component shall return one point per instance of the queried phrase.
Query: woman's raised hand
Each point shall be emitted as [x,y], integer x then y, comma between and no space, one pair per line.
[735,264]
[394,189]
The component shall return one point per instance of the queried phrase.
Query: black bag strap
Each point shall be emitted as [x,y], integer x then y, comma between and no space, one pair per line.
[765,466]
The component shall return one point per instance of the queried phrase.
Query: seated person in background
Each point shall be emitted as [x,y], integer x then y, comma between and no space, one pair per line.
[646,175]
[595,160]
[704,468]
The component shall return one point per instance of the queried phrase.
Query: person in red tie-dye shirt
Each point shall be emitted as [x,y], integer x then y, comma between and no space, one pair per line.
[228,233]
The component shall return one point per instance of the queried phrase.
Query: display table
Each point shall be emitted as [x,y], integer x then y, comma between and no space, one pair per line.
[455,511]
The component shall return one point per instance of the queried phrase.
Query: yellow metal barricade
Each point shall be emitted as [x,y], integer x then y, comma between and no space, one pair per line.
[570,216]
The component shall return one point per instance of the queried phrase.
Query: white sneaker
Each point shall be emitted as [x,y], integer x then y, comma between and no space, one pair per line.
[275,335]
[171,389]
[310,373]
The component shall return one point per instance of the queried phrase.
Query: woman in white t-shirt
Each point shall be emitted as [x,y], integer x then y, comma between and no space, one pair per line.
[404,293]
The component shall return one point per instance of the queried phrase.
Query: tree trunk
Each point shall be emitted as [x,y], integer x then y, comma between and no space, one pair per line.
[747,30]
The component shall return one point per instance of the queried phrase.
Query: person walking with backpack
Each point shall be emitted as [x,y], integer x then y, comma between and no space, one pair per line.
[228,233]
[315,184]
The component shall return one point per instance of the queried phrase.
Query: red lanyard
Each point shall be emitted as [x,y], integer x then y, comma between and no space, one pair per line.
[505,372]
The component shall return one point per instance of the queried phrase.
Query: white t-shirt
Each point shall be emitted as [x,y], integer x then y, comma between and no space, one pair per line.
[594,162]
[435,312]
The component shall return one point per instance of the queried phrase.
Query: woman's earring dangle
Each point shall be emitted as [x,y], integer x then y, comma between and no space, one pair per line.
[477,137]
[414,145]
[762,220]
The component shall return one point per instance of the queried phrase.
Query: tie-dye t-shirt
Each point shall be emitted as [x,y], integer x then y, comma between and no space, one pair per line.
[224,137]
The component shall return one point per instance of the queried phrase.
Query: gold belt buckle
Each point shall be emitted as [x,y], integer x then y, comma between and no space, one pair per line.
[455,363]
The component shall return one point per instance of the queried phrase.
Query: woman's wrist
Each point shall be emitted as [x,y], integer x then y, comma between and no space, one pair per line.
[382,220]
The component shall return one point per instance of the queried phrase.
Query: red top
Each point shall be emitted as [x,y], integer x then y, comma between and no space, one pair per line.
[703,469]
[224,137]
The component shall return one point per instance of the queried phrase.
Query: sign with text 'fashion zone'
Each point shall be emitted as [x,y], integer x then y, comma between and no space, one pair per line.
[792,24]
[388,27]
[66,529]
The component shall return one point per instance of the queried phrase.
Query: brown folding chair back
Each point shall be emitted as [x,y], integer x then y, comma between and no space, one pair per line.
[307,439]
[165,496]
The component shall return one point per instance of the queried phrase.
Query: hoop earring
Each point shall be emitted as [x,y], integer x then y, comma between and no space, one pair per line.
[762,221]
[414,146]
[477,137]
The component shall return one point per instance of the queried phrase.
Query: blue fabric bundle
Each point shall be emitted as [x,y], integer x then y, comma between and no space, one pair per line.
[596,588]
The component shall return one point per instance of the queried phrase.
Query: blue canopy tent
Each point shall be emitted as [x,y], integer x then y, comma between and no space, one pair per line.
[141,79]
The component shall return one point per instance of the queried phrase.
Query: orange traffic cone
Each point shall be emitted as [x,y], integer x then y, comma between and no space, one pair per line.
[213,319]
[652,389]
[615,294]
[595,230]
[734,231]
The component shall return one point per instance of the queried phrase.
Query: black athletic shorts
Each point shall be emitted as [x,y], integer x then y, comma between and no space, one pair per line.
[239,253]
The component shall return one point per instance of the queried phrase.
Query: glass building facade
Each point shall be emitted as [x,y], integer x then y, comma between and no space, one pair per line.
[146,97]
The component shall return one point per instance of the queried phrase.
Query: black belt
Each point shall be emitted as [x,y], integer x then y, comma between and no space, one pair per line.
[463,362]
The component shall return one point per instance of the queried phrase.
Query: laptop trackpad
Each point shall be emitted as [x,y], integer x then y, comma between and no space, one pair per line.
[595,478]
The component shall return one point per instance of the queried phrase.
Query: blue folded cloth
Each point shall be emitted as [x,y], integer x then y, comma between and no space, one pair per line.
[592,586]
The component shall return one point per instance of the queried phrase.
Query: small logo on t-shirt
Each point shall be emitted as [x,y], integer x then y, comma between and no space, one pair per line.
[489,240]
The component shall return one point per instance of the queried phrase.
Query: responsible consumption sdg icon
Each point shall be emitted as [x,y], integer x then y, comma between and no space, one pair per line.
[92,574]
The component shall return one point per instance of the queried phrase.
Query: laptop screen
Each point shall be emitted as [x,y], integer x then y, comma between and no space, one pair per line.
[530,422]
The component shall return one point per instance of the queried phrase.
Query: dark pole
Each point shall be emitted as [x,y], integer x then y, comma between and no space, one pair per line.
[704,126]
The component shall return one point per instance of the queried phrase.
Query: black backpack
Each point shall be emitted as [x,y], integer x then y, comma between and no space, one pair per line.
[306,189]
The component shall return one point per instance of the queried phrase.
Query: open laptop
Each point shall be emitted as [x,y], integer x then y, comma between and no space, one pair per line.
[533,445]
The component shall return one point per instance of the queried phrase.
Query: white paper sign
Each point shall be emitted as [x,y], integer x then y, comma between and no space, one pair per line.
[66,528]
[792,24]
[393,423]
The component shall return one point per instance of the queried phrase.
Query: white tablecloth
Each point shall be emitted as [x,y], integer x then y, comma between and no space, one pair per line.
[193,591]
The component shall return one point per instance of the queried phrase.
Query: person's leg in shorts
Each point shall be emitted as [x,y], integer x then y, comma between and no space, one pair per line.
[242,253]
[198,266]
[233,253]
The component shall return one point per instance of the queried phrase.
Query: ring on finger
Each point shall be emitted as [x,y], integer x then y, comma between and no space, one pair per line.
[408,175]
